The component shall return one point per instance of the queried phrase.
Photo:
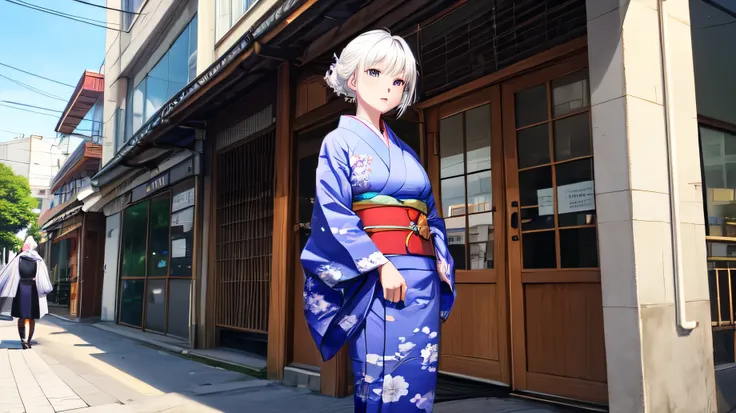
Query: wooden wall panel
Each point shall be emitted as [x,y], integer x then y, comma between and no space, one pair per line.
[564,330]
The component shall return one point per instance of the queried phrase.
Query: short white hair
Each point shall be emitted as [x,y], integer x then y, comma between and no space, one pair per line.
[367,50]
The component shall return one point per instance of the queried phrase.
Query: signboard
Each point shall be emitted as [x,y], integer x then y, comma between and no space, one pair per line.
[142,191]
[546,201]
[577,197]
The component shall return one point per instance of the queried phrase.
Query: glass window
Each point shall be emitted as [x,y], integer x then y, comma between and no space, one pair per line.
[138,109]
[229,12]
[158,237]
[713,28]
[130,6]
[131,302]
[135,218]
[179,297]
[182,230]
[465,187]
[556,183]
[156,305]
[170,75]
[720,181]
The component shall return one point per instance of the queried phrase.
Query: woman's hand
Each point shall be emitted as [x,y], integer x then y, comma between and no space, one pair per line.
[393,283]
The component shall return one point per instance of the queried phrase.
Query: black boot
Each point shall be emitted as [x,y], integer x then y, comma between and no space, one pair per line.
[22,333]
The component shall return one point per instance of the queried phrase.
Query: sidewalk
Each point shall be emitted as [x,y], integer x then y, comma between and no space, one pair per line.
[80,368]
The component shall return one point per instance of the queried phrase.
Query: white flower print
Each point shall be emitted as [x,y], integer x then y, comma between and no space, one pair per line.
[348,322]
[424,402]
[416,330]
[377,359]
[443,270]
[316,303]
[309,284]
[406,347]
[370,262]
[394,388]
[433,334]
[429,357]
[360,166]
[402,339]
[328,272]
[425,330]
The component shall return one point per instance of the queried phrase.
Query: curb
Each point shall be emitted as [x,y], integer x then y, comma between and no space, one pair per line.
[182,351]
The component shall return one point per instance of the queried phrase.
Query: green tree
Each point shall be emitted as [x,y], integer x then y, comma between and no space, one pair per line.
[16,207]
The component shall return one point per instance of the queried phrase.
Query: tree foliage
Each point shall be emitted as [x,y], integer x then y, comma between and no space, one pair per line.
[16,207]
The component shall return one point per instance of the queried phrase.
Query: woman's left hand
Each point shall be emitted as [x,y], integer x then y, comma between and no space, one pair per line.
[443,270]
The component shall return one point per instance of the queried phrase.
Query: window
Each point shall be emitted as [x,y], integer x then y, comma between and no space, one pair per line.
[719,175]
[229,12]
[131,7]
[465,181]
[171,74]
[156,268]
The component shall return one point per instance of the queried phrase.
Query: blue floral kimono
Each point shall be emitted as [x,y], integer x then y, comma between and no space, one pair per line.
[393,346]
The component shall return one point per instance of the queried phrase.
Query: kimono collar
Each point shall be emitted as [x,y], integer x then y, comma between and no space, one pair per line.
[370,135]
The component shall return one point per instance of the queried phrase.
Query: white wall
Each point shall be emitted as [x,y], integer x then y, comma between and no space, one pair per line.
[110,280]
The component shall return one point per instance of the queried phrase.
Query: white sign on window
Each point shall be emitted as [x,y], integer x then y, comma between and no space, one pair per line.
[577,197]
[546,201]
[182,200]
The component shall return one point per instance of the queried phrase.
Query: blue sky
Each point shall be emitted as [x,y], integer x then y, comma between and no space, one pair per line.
[50,46]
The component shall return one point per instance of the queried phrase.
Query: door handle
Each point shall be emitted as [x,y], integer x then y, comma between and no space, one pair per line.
[515,220]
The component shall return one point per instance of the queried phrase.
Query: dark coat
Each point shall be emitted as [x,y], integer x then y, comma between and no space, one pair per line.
[26,298]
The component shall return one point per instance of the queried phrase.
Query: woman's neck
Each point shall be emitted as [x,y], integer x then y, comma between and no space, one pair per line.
[374,117]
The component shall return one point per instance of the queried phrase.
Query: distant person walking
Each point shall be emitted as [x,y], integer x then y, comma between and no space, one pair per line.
[26,281]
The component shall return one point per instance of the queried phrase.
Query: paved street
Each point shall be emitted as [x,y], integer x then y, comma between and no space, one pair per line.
[80,368]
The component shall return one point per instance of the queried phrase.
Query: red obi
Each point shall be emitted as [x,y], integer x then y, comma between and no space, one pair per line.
[397,230]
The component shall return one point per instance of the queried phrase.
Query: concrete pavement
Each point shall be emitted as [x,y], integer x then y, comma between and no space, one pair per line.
[79,368]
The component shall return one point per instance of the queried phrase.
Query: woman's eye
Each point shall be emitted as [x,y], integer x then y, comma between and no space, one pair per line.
[374,72]
[398,82]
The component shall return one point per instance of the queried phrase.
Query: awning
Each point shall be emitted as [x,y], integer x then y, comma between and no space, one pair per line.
[86,158]
[59,220]
[89,89]
[67,232]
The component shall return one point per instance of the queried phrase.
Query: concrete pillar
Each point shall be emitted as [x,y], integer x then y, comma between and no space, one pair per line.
[653,366]
[112,95]
[206,19]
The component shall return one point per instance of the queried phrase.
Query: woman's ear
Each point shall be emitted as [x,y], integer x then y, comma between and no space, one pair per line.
[353,83]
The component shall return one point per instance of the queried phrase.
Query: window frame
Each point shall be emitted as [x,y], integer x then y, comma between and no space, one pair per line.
[169,194]
[232,21]
[127,22]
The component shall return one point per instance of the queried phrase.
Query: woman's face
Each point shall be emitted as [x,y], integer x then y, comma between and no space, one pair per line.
[375,89]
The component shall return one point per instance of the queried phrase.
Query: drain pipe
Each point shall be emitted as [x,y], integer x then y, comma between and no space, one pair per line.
[682,320]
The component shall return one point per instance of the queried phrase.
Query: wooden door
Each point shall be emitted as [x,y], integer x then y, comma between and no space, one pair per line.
[465,137]
[305,352]
[73,276]
[554,277]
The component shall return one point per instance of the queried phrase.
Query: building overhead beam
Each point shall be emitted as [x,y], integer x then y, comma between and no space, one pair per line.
[353,26]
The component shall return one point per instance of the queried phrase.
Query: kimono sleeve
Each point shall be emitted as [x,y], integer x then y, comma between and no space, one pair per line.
[445,263]
[338,249]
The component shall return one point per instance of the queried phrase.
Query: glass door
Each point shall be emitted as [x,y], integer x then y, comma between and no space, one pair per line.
[554,278]
[467,158]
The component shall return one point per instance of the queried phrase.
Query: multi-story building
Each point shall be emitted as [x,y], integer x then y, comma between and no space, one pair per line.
[38,159]
[72,244]
[562,140]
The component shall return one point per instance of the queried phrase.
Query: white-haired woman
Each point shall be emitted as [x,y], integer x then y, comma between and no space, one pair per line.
[26,280]
[378,274]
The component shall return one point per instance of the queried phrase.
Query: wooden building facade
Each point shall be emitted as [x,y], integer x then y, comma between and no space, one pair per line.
[502,126]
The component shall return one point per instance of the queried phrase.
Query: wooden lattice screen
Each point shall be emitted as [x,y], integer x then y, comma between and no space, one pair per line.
[483,36]
[244,232]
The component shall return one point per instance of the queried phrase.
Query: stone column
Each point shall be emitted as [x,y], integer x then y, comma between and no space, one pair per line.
[653,366]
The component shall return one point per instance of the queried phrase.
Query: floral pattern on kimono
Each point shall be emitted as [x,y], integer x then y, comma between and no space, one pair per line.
[394,347]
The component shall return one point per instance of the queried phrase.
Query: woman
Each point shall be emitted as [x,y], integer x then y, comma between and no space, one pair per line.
[378,274]
[26,280]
